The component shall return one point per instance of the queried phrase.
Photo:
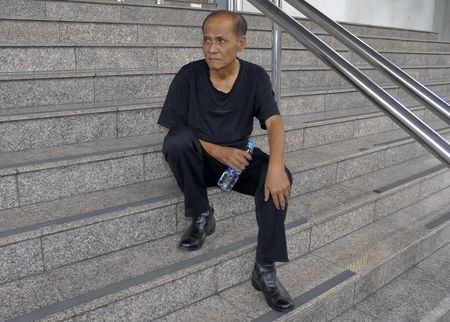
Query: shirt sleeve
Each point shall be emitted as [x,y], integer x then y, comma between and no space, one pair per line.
[265,104]
[175,109]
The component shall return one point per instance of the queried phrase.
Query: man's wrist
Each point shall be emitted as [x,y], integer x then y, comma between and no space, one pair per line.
[276,163]
[210,148]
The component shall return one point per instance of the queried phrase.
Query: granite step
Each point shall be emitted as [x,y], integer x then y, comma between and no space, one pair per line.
[423,290]
[16,32]
[54,88]
[99,11]
[39,175]
[42,58]
[129,210]
[323,287]
[136,2]
[33,128]
[199,5]
[154,279]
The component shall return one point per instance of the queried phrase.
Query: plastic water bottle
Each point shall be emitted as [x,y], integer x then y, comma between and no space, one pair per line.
[229,176]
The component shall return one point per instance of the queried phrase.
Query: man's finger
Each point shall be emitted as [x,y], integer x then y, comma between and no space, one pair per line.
[286,196]
[281,200]
[275,200]
[287,193]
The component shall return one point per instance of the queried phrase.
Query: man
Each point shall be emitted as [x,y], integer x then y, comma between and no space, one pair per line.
[208,116]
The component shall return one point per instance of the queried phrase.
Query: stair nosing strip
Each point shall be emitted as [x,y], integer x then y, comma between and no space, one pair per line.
[409,179]
[309,295]
[438,221]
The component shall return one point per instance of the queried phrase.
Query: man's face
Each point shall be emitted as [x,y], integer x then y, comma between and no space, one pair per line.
[220,43]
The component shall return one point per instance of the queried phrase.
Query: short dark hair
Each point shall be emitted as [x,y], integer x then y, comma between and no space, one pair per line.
[238,20]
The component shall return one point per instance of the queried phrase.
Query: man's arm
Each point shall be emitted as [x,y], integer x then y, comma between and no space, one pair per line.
[234,158]
[231,157]
[277,182]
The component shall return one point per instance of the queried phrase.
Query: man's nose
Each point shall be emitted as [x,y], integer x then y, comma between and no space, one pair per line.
[212,47]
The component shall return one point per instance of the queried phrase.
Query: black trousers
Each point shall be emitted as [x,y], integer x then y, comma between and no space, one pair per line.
[195,170]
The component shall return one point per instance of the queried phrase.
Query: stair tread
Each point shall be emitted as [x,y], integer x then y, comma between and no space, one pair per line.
[93,274]
[22,161]
[362,249]
[419,282]
[45,111]
[27,160]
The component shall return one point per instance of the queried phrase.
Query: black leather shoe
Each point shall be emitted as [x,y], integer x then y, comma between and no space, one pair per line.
[264,278]
[202,225]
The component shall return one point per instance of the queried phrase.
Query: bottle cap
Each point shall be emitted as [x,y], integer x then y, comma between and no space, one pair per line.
[251,145]
[235,173]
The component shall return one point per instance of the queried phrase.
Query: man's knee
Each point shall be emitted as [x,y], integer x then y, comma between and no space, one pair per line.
[262,178]
[178,140]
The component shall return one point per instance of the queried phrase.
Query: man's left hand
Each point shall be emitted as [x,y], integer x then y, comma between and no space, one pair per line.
[277,186]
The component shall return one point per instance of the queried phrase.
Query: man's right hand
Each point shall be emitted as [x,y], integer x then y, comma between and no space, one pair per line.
[234,158]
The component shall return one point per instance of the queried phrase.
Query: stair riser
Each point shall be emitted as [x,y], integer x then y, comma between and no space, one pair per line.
[54,32]
[324,102]
[381,32]
[18,60]
[89,88]
[103,234]
[236,268]
[60,10]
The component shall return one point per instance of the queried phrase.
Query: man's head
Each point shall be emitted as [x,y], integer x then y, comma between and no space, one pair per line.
[239,22]
[223,37]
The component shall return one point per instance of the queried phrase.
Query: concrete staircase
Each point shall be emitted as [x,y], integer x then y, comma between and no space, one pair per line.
[90,215]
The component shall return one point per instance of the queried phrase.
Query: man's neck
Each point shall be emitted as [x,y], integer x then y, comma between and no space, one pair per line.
[227,72]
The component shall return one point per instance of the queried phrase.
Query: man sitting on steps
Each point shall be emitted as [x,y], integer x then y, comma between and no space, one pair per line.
[208,115]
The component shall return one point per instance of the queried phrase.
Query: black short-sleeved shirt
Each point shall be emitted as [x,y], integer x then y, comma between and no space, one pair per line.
[217,117]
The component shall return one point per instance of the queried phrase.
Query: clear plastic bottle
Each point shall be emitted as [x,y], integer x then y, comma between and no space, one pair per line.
[229,176]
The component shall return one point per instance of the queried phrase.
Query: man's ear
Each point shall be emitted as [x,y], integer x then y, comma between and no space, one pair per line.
[242,43]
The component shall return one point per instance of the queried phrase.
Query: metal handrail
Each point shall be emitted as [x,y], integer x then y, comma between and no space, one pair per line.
[426,96]
[402,116]
[276,57]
